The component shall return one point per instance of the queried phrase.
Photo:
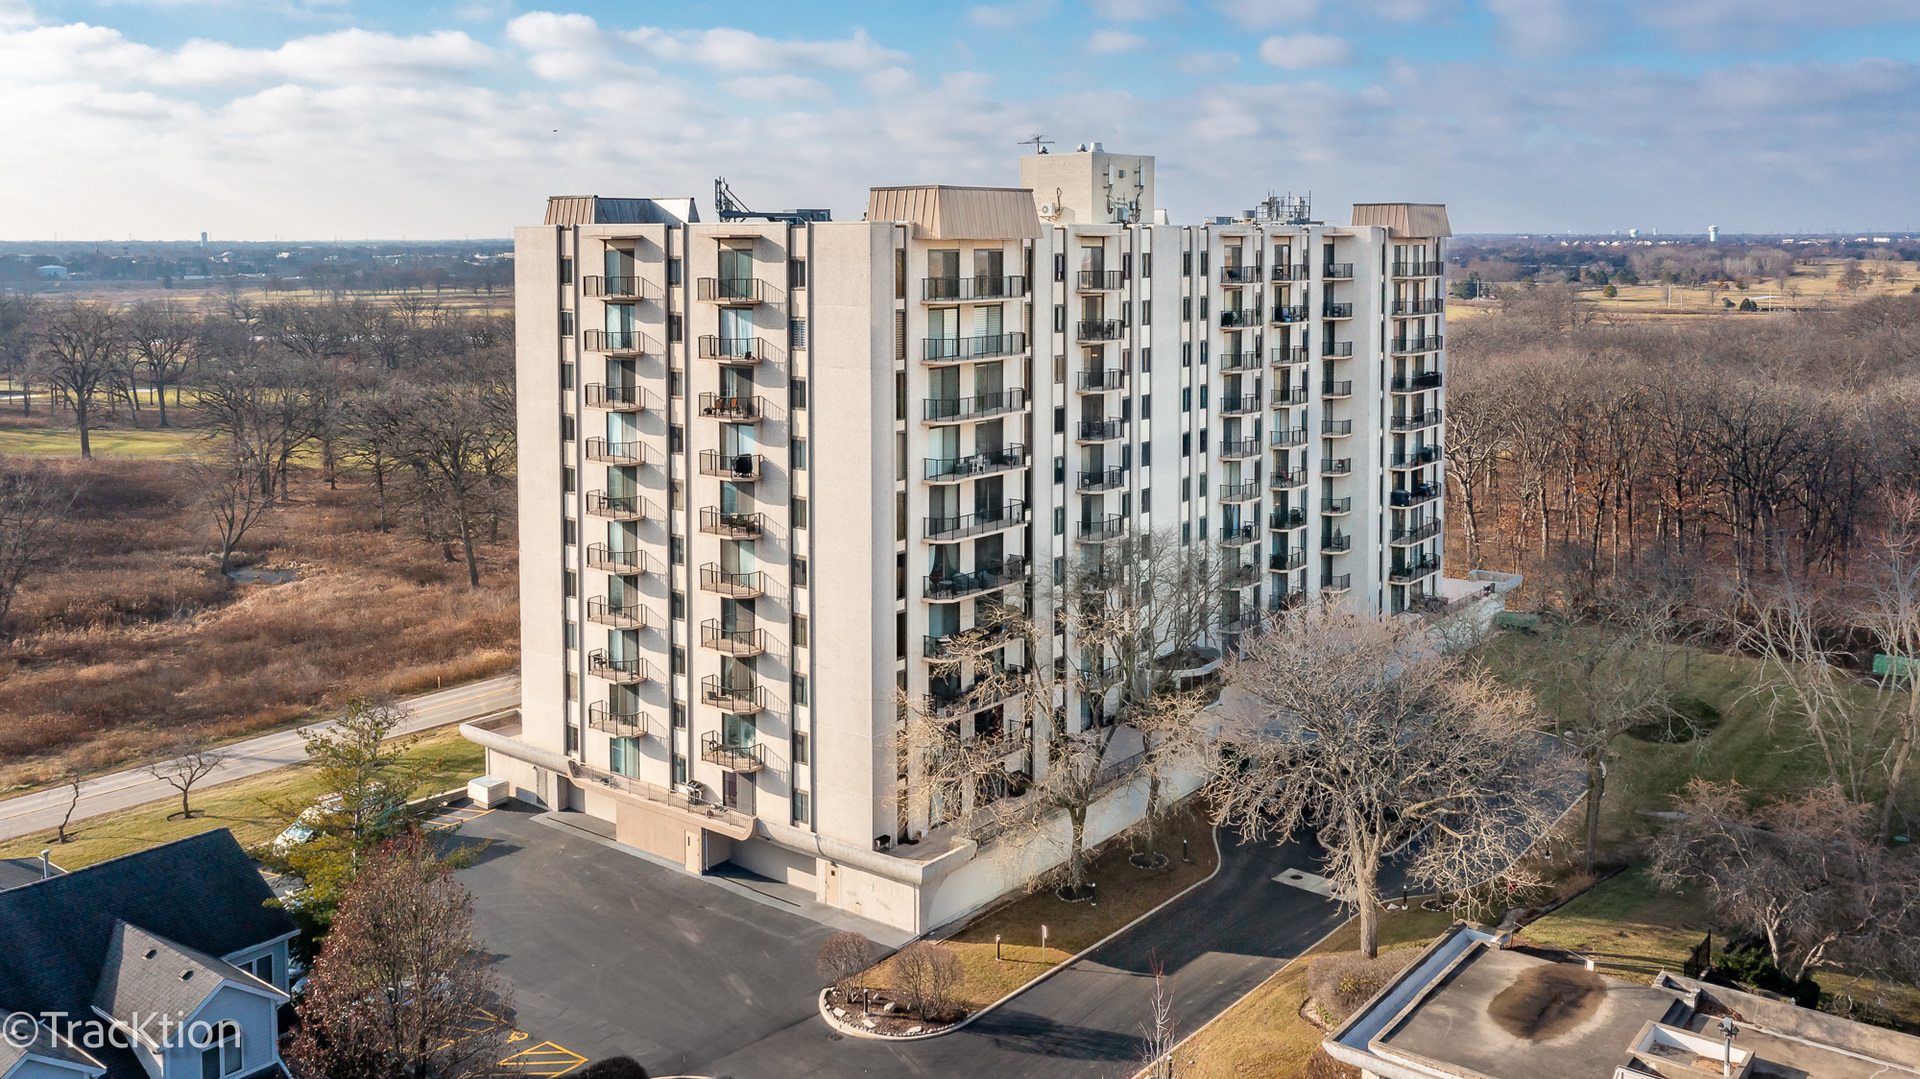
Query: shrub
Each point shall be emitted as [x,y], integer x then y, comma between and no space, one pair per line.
[926,974]
[1338,984]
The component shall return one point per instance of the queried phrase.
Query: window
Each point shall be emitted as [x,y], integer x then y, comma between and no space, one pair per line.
[1146,312]
[569,531]
[573,735]
[797,393]
[1146,454]
[799,513]
[676,384]
[799,572]
[1186,488]
[623,756]
[1060,420]
[1186,533]
[678,549]
[797,332]
[1126,503]
[679,605]
[1059,318]
[1203,440]
[679,659]
[1203,344]
[569,482]
[1146,264]
[571,582]
[899,273]
[1203,264]
[802,812]
[566,376]
[1059,470]
[1059,571]
[679,768]
[566,271]
[1146,359]
[262,968]
[676,439]
[673,495]
[679,715]
[1186,264]
[676,272]
[1186,307]
[800,634]
[1146,500]
[222,1058]
[800,748]
[676,330]
[1203,485]
[1146,406]
[1203,392]
[1059,520]
[1186,399]
[798,449]
[567,431]
[566,324]
[1060,267]
[799,689]
[1186,444]
[796,273]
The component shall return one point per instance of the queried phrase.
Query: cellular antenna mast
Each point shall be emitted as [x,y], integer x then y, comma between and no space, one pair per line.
[728,207]
[1038,143]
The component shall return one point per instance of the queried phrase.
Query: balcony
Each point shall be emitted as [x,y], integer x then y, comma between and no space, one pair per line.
[1100,280]
[1099,330]
[1239,535]
[961,349]
[618,615]
[1111,479]
[1331,389]
[1425,455]
[968,289]
[1010,571]
[1411,346]
[1342,466]
[1336,310]
[741,467]
[1283,480]
[732,409]
[1419,269]
[1336,582]
[626,672]
[601,716]
[732,642]
[1336,506]
[1336,350]
[732,585]
[615,559]
[1286,396]
[612,289]
[735,351]
[1284,355]
[1408,572]
[1419,495]
[1416,383]
[978,407]
[615,342]
[1239,317]
[1290,313]
[600,451]
[1239,576]
[734,291]
[1286,562]
[1239,449]
[954,469]
[739,699]
[1289,436]
[1101,529]
[1239,492]
[1011,515]
[1284,272]
[1336,428]
[1244,405]
[1242,274]
[1288,519]
[714,522]
[1243,360]
[1425,530]
[1409,308]
[732,757]
[1248,622]
[1007,683]
[1286,601]
[1100,430]
[1336,543]
[1416,420]
[615,398]
[1100,381]
[1337,271]
[616,507]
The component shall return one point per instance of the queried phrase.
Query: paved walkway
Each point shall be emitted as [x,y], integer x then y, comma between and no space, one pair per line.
[42,810]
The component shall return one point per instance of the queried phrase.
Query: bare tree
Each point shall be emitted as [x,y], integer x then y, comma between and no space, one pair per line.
[236,490]
[1892,616]
[80,344]
[1160,1033]
[451,440]
[161,335]
[1361,731]
[927,973]
[184,766]
[19,332]
[32,504]
[72,781]
[843,959]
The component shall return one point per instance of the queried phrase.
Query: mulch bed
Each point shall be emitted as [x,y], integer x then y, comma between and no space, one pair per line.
[876,1019]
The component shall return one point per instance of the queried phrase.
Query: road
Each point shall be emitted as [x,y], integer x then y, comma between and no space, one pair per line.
[41,810]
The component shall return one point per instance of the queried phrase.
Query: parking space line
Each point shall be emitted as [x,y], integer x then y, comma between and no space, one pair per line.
[545,1061]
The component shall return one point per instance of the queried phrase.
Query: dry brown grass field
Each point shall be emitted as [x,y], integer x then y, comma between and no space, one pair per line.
[214,298]
[133,640]
[1816,284]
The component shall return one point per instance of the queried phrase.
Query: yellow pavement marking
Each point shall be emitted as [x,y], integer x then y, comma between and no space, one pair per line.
[546,1060]
[448,818]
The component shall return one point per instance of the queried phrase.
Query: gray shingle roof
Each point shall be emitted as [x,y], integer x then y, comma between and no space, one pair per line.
[46,1044]
[146,974]
[17,871]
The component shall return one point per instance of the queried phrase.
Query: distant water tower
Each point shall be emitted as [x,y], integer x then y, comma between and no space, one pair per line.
[1713,234]
[203,239]
[1633,234]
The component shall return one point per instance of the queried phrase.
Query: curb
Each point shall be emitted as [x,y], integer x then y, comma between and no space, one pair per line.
[1219,863]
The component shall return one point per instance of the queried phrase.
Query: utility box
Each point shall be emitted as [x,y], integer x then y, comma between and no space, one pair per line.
[488,791]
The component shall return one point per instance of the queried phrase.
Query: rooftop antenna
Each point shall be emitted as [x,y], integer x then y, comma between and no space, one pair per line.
[1038,143]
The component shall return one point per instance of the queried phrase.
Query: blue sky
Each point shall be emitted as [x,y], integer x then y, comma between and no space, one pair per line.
[319,118]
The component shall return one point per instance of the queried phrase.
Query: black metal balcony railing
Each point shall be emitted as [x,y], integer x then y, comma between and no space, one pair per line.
[1282,480]
[612,341]
[1111,479]
[616,507]
[1238,492]
[1432,306]
[1297,272]
[1244,405]
[735,350]
[1101,381]
[1240,360]
[1403,572]
[1246,622]
[1415,383]
[1239,576]
[1336,505]
[1418,495]
[1419,269]
[1242,274]
[1336,310]
[618,615]
[737,409]
[1290,436]
[1336,427]
[978,407]
[1011,456]
[1285,561]
[1284,396]
[731,756]
[1237,449]
[1342,388]
[1098,329]
[1009,571]
[1284,355]
[1101,529]
[624,671]
[1011,515]
[732,585]
[1290,312]
[1414,421]
[1286,601]
[1425,455]
[734,290]
[1415,533]
[740,697]
[611,288]
[1341,466]
[961,349]
[973,288]
[1407,346]
[715,522]
[1336,543]
[615,398]
[601,716]
[601,451]
[1336,582]
[1100,280]
[1100,430]
[1239,535]
[730,466]
[1336,271]
[1336,350]
[1287,518]
[615,559]
[1239,317]
[738,641]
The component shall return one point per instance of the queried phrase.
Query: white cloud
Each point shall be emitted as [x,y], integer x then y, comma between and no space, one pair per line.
[1715,25]
[1546,27]
[733,49]
[1110,42]
[776,88]
[346,56]
[1010,15]
[1266,14]
[1206,63]
[1301,51]
[1135,10]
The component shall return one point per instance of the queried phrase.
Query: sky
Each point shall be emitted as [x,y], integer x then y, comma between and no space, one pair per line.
[354,119]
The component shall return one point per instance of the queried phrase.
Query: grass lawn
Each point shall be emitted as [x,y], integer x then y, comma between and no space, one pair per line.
[61,440]
[247,806]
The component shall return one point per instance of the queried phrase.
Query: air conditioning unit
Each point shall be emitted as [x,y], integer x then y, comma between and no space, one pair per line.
[1047,209]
